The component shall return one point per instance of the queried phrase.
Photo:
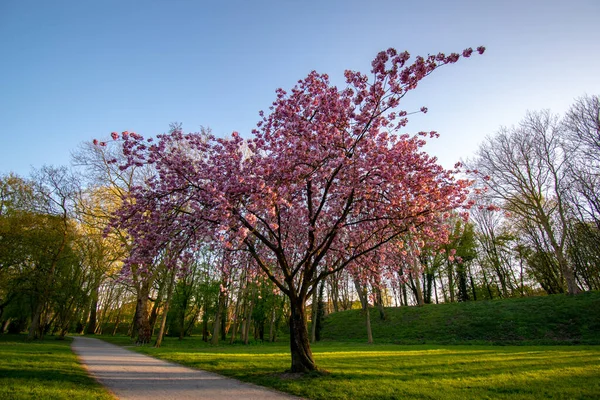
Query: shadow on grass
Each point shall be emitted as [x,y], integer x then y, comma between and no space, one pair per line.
[43,369]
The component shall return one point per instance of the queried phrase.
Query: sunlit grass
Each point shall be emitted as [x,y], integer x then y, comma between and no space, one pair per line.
[45,369]
[387,371]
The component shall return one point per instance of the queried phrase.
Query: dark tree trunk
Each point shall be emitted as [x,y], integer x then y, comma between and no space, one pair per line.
[182,321]
[163,321]
[224,322]
[302,358]
[463,293]
[236,316]
[313,320]
[364,302]
[487,285]
[472,285]
[404,294]
[427,287]
[450,280]
[380,305]
[133,326]
[219,314]
[272,325]
[144,332]
[34,328]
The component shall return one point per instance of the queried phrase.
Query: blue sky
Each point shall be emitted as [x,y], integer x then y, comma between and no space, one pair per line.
[71,71]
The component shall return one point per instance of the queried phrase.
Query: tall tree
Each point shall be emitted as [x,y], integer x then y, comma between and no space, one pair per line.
[525,166]
[581,135]
[57,189]
[326,179]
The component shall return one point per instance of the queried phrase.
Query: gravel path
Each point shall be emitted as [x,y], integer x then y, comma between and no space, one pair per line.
[130,375]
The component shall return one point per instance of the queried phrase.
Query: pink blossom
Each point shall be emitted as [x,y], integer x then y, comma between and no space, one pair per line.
[331,183]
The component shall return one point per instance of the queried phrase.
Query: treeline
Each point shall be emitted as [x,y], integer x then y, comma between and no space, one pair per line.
[534,229]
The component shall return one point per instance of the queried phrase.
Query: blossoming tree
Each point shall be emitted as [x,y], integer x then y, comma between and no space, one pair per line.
[326,179]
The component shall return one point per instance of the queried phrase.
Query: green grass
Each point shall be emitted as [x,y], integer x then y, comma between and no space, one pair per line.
[387,371]
[557,319]
[45,369]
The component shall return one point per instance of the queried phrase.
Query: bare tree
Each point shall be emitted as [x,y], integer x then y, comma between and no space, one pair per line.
[526,166]
[57,189]
[581,136]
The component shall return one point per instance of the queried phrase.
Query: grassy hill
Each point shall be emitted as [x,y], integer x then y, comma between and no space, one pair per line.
[557,319]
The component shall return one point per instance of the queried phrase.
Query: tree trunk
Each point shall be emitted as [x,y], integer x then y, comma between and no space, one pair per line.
[91,327]
[182,320]
[443,288]
[302,358]
[567,271]
[144,332]
[154,312]
[435,288]
[236,316]
[5,325]
[118,320]
[34,328]
[163,320]
[217,323]
[472,284]
[247,320]
[272,325]
[369,331]
[380,305]
[487,284]
[334,293]
[313,322]
[416,284]
[404,294]
[450,280]
[364,301]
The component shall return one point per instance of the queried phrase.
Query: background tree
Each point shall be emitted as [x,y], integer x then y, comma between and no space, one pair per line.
[581,138]
[526,168]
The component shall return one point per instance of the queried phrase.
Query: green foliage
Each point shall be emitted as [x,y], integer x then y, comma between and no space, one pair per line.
[536,320]
[196,293]
[386,371]
[43,370]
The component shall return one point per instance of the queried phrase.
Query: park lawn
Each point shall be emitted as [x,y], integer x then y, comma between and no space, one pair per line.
[538,320]
[45,369]
[387,371]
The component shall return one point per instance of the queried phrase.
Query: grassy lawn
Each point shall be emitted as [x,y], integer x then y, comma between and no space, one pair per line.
[556,319]
[387,371]
[43,370]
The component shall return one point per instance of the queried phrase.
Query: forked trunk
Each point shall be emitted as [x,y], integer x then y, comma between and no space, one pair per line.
[163,321]
[364,302]
[568,274]
[302,358]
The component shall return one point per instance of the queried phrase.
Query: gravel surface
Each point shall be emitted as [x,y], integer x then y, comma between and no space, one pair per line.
[130,375]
